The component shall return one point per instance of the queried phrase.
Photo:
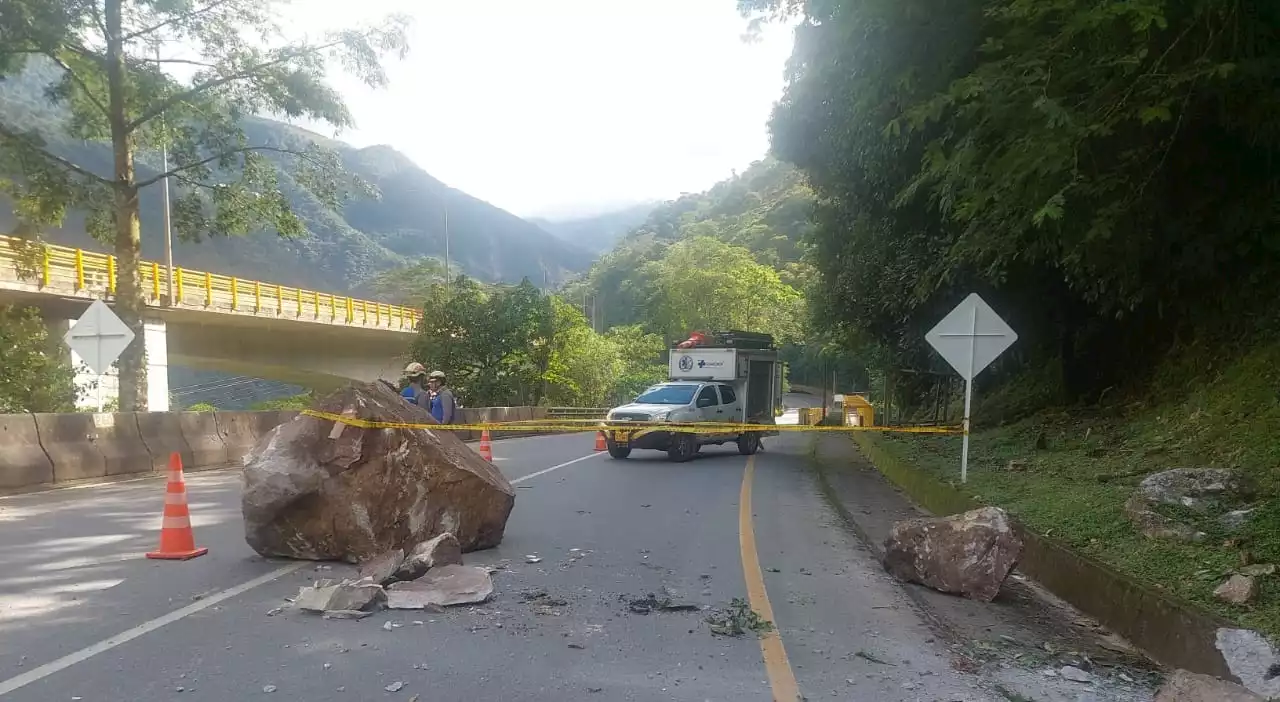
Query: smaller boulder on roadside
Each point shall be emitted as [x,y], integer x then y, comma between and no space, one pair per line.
[438,551]
[1197,489]
[347,595]
[1185,686]
[969,554]
[382,569]
[443,586]
[1237,590]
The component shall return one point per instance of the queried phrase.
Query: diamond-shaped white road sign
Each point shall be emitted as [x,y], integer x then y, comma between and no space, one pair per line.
[971,337]
[99,337]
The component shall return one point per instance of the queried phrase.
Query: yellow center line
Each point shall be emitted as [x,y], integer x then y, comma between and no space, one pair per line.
[781,678]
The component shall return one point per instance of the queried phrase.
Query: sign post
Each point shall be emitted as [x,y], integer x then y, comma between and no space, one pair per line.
[970,338]
[99,337]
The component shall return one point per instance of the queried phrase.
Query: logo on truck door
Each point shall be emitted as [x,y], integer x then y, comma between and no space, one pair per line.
[686,363]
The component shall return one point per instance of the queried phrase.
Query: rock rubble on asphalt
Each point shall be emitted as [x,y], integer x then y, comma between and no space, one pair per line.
[440,550]
[345,596]
[445,586]
[325,490]
[970,554]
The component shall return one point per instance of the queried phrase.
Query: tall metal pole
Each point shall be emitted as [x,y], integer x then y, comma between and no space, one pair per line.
[168,230]
[448,279]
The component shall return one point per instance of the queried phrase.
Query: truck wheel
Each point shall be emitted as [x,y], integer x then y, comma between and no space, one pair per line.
[618,451]
[683,448]
[748,444]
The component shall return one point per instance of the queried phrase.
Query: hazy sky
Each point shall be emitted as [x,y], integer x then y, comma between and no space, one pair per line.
[563,107]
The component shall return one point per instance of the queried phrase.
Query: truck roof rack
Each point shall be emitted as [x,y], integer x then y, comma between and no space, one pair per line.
[739,340]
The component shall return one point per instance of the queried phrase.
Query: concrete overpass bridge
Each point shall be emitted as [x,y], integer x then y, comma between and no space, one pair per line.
[215,322]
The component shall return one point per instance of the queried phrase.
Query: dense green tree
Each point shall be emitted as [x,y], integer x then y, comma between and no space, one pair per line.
[641,357]
[118,89]
[705,284]
[35,375]
[1103,173]
[493,342]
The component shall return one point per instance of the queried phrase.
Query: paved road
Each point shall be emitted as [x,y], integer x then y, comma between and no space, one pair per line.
[84,617]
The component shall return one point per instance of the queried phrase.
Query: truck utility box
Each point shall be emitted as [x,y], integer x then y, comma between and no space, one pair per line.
[722,380]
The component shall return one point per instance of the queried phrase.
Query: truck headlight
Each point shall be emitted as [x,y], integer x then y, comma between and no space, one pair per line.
[662,416]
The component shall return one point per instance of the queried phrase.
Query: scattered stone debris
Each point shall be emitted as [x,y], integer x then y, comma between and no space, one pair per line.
[1251,659]
[269,689]
[970,554]
[533,558]
[394,687]
[1196,489]
[1237,590]
[1184,686]
[382,569]
[1074,674]
[322,490]
[444,586]
[540,599]
[576,646]
[866,656]
[346,595]
[440,550]
[1235,519]
[737,619]
[1259,570]
[652,603]
[1016,465]
[346,614]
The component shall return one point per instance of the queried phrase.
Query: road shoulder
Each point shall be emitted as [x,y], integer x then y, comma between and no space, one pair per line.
[1026,627]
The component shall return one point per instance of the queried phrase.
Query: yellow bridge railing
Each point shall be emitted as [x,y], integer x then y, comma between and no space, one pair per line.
[62,269]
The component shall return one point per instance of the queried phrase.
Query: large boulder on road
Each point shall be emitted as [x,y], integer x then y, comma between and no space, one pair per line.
[326,490]
[969,554]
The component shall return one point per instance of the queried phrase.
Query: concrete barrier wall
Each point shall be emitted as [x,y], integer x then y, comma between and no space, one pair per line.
[71,443]
[23,461]
[162,433]
[121,444]
[200,432]
[49,449]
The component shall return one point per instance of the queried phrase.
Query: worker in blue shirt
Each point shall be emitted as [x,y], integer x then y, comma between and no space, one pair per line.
[415,392]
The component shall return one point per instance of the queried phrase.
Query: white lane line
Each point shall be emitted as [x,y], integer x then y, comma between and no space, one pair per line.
[544,471]
[88,652]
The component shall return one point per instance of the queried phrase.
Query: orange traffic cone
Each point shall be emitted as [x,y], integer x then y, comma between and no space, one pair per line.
[177,541]
[600,444]
[486,450]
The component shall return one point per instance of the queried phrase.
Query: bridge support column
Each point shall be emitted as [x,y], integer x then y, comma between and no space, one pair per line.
[154,336]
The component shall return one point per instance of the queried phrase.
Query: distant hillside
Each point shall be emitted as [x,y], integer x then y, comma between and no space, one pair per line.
[764,209]
[344,249]
[598,233]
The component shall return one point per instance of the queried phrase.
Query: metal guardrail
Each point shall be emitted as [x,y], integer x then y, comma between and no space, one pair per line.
[577,412]
[62,269]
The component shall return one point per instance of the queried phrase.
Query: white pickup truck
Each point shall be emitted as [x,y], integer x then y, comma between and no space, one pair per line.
[711,384]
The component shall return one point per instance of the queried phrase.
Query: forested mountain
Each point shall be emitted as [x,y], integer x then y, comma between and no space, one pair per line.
[597,233]
[343,250]
[757,217]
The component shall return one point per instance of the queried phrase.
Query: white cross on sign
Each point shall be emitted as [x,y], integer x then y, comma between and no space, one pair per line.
[970,338]
[99,337]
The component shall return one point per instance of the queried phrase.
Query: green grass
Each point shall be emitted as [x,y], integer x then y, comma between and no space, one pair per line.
[1075,488]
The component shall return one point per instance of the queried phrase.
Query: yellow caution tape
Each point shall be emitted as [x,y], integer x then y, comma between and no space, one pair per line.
[629,428]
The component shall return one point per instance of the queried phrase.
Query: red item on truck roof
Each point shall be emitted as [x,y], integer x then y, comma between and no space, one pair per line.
[695,339]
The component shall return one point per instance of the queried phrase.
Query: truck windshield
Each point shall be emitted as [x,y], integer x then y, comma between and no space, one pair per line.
[668,395]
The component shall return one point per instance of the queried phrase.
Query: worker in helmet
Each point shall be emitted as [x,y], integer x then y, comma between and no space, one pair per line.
[443,402]
[415,391]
